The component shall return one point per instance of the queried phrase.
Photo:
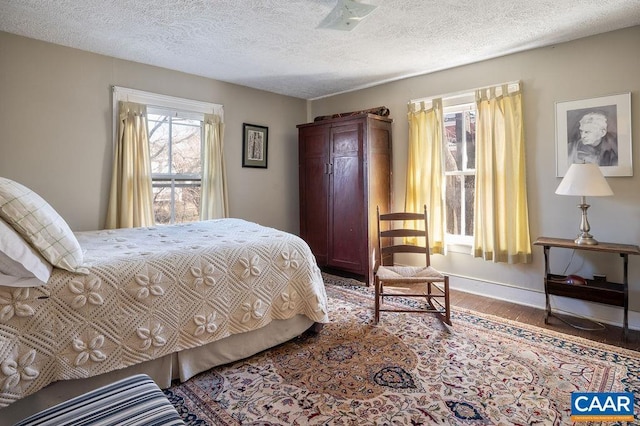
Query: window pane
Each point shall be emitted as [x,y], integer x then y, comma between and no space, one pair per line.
[162,204]
[185,146]
[187,202]
[469,198]
[159,142]
[454,205]
[454,141]
[470,133]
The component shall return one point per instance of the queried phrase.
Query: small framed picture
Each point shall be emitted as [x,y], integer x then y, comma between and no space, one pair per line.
[596,130]
[254,145]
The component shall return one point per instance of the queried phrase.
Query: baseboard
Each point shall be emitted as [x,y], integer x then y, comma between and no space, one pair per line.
[579,308]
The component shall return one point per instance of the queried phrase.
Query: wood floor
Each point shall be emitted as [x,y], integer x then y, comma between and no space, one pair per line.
[610,335]
[603,333]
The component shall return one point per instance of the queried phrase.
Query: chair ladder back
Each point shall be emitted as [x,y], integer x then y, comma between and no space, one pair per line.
[388,232]
[403,248]
[401,216]
[402,232]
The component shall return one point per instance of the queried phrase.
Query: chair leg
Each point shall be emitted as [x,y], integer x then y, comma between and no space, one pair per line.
[376,314]
[447,306]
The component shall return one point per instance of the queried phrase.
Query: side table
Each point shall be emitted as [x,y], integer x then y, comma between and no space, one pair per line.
[602,291]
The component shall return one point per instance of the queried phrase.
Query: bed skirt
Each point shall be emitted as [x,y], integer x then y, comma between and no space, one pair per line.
[177,366]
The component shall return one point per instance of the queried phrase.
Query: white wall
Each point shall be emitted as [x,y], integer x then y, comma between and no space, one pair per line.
[55,130]
[595,66]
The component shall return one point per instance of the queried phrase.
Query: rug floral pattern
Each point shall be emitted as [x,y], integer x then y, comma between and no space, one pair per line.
[410,369]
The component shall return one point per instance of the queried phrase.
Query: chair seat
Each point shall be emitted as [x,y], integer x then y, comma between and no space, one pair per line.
[408,274]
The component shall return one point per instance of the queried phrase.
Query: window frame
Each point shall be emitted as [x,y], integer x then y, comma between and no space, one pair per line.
[176,180]
[169,105]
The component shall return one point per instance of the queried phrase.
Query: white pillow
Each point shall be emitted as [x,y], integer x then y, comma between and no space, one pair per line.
[20,264]
[40,224]
[11,281]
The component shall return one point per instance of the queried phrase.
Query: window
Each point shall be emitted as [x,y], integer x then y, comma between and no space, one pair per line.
[459,166]
[175,142]
[455,139]
[176,137]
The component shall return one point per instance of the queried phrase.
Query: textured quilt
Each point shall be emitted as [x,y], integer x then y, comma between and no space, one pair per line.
[151,292]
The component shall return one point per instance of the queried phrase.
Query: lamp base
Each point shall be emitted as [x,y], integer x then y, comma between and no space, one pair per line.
[586,239]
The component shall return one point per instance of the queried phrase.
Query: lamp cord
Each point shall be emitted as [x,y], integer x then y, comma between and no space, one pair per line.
[573,252]
[599,325]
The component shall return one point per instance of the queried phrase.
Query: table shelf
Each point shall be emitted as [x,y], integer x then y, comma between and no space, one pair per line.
[600,291]
[606,292]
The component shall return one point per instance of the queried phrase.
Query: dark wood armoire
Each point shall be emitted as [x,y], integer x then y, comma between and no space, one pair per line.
[345,173]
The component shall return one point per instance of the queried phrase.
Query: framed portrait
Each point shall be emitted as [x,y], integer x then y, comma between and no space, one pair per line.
[596,130]
[254,145]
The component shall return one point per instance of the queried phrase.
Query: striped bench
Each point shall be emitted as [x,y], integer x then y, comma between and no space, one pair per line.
[135,400]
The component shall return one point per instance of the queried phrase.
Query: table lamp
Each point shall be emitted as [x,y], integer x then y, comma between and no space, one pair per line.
[584,180]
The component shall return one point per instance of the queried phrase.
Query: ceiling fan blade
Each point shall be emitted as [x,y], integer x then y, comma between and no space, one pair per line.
[346,15]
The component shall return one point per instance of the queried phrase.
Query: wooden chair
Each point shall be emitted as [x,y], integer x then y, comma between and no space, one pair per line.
[392,280]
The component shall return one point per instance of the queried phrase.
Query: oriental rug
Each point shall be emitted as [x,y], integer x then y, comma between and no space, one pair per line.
[408,370]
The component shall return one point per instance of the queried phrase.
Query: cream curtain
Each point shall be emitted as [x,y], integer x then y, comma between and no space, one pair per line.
[501,219]
[213,201]
[131,199]
[425,173]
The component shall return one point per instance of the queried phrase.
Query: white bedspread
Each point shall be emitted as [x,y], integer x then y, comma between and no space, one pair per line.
[152,292]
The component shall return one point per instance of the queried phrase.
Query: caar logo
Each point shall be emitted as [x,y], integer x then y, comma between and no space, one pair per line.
[601,407]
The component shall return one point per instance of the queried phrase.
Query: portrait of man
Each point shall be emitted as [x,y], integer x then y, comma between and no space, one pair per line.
[592,136]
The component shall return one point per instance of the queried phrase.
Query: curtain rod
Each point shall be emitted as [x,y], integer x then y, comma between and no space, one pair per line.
[460,93]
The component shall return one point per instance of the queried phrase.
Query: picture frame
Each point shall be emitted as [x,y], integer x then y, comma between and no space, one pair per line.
[255,141]
[595,130]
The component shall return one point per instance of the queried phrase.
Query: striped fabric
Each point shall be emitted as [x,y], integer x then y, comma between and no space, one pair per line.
[136,400]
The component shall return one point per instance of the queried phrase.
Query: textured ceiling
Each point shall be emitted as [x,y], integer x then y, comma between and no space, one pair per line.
[275,45]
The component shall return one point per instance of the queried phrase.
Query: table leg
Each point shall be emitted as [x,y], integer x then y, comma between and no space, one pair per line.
[546,292]
[625,283]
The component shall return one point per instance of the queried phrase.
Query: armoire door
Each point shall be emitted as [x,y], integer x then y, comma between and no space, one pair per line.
[314,163]
[347,212]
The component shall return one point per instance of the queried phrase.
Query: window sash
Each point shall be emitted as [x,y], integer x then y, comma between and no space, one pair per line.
[173,186]
[463,241]
[176,181]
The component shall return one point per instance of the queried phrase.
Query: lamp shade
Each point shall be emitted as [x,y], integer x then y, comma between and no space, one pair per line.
[584,180]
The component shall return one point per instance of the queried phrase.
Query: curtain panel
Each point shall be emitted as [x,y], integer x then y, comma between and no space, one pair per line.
[425,171]
[501,218]
[214,199]
[131,195]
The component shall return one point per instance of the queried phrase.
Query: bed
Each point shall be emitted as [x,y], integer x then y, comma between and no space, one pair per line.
[170,301]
